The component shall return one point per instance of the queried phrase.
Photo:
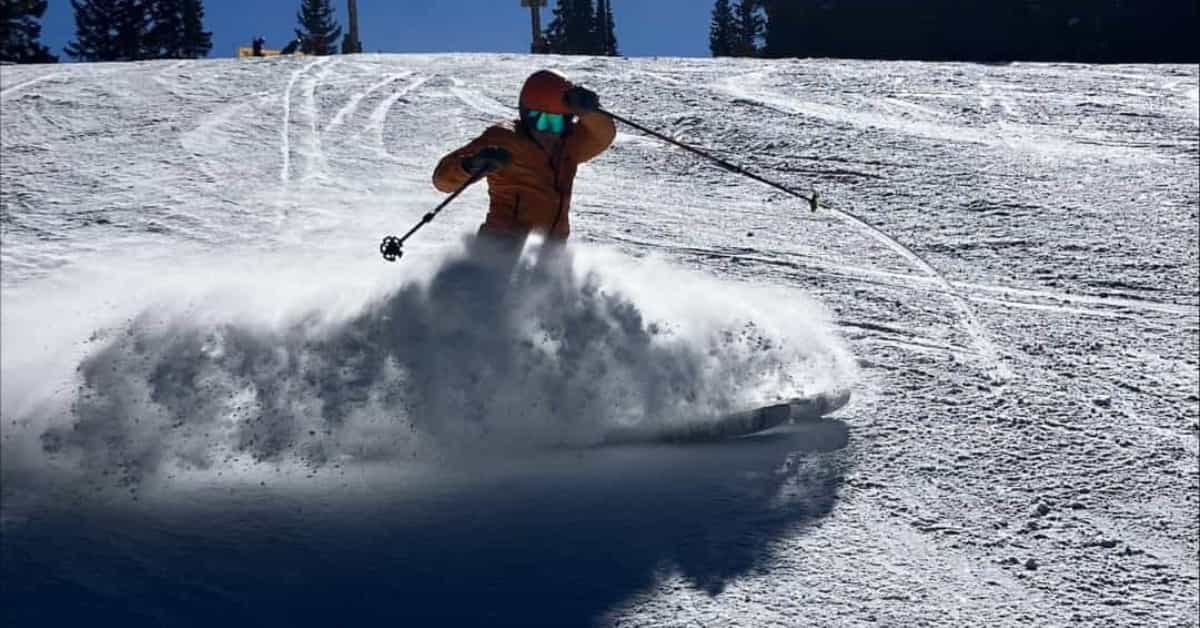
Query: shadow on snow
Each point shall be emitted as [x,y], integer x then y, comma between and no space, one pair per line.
[557,540]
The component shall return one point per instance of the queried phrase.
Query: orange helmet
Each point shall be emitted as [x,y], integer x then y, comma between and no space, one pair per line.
[543,91]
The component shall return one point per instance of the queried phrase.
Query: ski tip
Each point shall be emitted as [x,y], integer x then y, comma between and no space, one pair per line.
[819,406]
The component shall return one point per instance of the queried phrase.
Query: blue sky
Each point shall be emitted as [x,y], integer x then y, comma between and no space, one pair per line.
[644,27]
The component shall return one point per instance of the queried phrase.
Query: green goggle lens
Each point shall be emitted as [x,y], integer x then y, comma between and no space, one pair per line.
[554,123]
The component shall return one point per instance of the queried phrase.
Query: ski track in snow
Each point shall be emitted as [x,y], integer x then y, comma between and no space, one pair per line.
[749,88]
[378,117]
[1056,203]
[285,142]
[479,102]
[353,102]
[1048,300]
[979,336]
[315,165]
[8,91]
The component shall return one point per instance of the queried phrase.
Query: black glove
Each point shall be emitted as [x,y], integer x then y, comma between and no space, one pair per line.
[581,100]
[487,160]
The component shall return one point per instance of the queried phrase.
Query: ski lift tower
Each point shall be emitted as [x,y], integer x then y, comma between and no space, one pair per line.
[538,45]
[352,43]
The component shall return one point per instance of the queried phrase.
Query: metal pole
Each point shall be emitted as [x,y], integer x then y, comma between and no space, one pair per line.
[352,10]
[537,44]
[813,201]
[535,19]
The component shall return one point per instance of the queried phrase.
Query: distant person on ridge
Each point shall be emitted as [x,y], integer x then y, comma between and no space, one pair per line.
[530,163]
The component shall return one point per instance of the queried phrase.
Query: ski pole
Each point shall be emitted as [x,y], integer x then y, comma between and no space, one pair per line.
[392,247]
[812,200]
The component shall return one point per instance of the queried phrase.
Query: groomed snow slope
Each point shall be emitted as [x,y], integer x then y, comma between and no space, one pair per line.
[1029,458]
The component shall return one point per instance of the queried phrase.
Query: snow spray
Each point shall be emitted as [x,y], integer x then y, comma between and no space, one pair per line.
[468,359]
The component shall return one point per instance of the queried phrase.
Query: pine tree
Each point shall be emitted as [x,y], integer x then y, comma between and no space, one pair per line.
[320,30]
[133,23]
[572,30]
[555,33]
[93,31]
[111,30]
[197,42]
[748,28]
[166,34]
[721,31]
[606,34]
[20,30]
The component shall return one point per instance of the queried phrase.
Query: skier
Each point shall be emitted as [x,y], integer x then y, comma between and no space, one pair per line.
[530,163]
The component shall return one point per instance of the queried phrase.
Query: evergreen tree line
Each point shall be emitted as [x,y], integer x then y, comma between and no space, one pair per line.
[20,31]
[582,27]
[737,29]
[131,30]
[1111,31]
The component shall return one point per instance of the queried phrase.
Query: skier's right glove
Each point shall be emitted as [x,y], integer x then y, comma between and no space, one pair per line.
[487,160]
[581,100]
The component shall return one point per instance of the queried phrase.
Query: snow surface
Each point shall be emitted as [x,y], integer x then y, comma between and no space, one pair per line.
[210,375]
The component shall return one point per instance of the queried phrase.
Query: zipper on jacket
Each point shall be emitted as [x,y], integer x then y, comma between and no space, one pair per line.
[517,211]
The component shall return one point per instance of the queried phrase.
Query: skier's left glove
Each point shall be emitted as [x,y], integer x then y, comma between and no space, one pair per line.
[581,100]
[488,160]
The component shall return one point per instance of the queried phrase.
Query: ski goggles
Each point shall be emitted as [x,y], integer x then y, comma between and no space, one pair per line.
[554,123]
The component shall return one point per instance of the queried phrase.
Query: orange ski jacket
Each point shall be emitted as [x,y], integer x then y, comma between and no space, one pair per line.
[534,191]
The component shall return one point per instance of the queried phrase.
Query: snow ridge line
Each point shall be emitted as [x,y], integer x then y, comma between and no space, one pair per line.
[285,144]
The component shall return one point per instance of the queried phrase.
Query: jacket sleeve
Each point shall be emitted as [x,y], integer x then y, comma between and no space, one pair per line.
[593,135]
[450,175]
